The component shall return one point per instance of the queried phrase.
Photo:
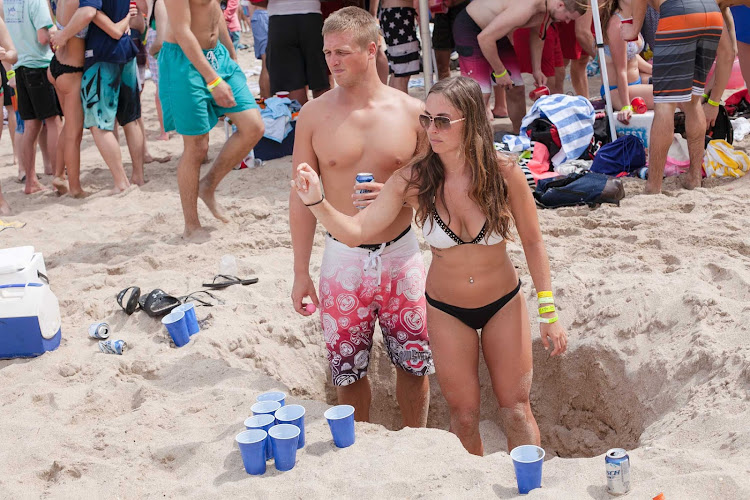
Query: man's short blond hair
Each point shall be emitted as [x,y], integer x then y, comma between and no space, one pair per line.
[356,21]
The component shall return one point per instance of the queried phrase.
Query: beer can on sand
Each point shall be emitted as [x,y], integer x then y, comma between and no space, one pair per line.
[617,463]
[99,330]
[112,346]
[364,177]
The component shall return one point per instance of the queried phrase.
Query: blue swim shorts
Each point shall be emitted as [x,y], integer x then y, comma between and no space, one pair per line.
[741,15]
[259,24]
[186,103]
[109,91]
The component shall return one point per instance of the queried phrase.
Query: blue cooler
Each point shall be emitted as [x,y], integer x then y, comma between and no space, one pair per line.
[29,312]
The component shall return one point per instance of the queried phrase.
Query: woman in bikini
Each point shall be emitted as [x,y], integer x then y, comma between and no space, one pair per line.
[466,198]
[625,67]
[65,73]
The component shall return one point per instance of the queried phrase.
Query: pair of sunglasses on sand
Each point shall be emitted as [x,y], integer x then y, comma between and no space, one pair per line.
[441,122]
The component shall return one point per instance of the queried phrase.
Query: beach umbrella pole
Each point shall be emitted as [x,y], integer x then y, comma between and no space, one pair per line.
[602,66]
[424,33]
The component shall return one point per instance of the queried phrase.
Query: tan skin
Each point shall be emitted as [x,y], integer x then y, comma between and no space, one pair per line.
[498,19]
[197,25]
[506,339]
[361,125]
[8,55]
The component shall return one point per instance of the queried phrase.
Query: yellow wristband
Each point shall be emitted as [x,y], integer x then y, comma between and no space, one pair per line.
[712,103]
[211,86]
[546,300]
[548,320]
[627,108]
[546,309]
[544,294]
[505,72]
[10,74]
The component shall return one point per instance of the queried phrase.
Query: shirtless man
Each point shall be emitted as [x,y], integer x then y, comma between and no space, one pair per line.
[684,49]
[398,21]
[200,81]
[486,53]
[362,126]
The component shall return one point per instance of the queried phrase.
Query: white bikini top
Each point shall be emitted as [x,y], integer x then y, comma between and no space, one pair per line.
[439,235]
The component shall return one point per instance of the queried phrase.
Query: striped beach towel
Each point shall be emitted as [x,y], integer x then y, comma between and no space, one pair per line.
[574,118]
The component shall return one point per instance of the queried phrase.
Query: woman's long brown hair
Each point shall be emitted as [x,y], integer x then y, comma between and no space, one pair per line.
[488,189]
[607,9]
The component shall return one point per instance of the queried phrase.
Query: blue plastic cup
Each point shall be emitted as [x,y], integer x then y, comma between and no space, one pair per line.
[295,415]
[272,396]
[528,460]
[284,438]
[264,407]
[177,327]
[263,421]
[252,444]
[190,319]
[341,421]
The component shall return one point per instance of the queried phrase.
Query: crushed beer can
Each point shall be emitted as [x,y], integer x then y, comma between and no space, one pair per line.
[112,346]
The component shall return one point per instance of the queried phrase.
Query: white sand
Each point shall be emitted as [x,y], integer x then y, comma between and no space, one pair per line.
[654,294]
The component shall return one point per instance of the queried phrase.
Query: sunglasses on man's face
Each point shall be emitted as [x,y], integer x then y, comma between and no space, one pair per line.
[441,122]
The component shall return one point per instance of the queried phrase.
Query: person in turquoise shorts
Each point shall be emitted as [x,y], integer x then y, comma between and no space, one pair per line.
[200,81]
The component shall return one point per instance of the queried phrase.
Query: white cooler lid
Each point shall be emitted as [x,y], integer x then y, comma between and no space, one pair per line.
[15,259]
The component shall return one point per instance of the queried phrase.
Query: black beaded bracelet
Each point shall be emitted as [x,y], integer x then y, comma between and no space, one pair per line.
[322,197]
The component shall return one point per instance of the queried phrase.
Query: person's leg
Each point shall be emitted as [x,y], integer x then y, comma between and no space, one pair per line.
[660,138]
[500,109]
[47,155]
[381,62]
[54,128]
[359,395]
[163,135]
[578,76]
[137,148]
[249,131]
[695,125]
[443,63]
[506,344]
[556,83]
[27,156]
[188,175]
[4,207]
[18,146]
[400,83]
[743,52]
[413,396]
[455,349]
[69,88]
[12,130]
[109,148]
[263,80]
[516,99]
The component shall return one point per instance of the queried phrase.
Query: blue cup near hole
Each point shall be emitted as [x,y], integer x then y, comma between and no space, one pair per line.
[252,445]
[272,396]
[264,407]
[295,415]
[527,461]
[177,327]
[341,421]
[284,438]
[263,421]
[190,319]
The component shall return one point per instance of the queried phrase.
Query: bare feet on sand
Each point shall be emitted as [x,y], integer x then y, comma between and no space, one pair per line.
[139,181]
[61,185]
[690,181]
[209,198]
[164,136]
[79,194]
[196,235]
[650,189]
[5,208]
[33,186]
[157,159]
[117,190]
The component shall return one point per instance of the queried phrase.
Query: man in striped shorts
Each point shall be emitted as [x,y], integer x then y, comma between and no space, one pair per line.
[685,47]
[398,22]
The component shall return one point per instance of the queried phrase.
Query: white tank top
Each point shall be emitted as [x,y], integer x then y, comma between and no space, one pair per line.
[288,7]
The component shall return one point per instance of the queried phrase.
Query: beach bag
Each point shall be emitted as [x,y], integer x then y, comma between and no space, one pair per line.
[722,128]
[737,103]
[722,160]
[601,137]
[544,131]
[578,189]
[624,155]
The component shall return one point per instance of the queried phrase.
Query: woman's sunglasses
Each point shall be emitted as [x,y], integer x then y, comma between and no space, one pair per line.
[441,122]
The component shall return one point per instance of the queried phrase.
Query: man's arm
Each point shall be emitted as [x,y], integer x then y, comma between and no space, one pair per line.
[81,18]
[725,55]
[584,37]
[178,12]
[501,25]
[114,30]
[630,31]
[536,46]
[302,222]
[8,53]
[374,4]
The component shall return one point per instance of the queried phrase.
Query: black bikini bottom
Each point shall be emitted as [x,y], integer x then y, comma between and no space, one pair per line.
[477,317]
[56,68]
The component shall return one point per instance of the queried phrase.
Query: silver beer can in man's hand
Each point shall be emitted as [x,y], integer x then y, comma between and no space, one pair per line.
[364,177]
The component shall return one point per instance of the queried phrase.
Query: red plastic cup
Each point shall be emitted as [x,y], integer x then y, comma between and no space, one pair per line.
[538,92]
[132,5]
[639,105]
